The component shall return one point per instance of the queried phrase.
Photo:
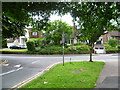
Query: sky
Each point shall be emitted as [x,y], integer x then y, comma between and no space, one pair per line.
[66,18]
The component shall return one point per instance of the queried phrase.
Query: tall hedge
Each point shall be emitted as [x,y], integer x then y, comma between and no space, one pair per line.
[32,44]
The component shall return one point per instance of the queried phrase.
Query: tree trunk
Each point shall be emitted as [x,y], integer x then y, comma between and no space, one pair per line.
[91,51]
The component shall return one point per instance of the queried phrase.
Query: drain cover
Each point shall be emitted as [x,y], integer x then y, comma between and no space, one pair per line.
[76,71]
[83,69]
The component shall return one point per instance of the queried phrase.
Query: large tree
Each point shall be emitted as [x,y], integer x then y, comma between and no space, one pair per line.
[55,30]
[14,18]
[94,19]
[16,15]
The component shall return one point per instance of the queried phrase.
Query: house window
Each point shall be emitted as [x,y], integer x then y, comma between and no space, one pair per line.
[34,33]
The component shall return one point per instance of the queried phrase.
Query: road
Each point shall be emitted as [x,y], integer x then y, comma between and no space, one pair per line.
[21,67]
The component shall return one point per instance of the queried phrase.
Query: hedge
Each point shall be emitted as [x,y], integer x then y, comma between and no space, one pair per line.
[110,49]
[32,44]
[80,49]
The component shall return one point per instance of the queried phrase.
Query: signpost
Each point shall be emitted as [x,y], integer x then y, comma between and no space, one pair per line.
[63,41]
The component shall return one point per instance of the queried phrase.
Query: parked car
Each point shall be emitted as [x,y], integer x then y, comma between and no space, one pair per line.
[16,47]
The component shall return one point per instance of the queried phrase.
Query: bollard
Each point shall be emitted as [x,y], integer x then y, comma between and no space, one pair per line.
[70,60]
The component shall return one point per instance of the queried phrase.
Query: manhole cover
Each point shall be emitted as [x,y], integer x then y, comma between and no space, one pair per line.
[76,71]
[83,69]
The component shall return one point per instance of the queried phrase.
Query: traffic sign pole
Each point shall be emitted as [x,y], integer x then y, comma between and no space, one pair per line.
[63,40]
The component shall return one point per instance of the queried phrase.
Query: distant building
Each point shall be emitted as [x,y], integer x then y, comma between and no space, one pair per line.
[21,41]
[113,34]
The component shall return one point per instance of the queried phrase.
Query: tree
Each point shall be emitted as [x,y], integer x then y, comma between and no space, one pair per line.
[94,19]
[17,15]
[14,19]
[55,29]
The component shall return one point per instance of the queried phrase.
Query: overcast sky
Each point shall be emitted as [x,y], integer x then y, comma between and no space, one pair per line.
[66,18]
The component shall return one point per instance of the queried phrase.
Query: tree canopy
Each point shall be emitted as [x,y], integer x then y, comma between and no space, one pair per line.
[16,15]
[94,20]
[55,30]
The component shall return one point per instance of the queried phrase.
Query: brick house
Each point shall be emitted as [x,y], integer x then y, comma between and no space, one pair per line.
[113,34]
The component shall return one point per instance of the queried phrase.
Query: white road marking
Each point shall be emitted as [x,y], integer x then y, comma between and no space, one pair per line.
[17,65]
[11,71]
[34,62]
[5,64]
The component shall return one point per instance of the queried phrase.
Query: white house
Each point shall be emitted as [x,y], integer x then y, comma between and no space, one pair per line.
[19,41]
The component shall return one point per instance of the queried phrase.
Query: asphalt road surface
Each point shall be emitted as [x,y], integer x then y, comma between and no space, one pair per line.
[21,67]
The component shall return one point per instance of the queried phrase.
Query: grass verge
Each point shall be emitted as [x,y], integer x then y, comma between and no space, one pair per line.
[14,50]
[69,76]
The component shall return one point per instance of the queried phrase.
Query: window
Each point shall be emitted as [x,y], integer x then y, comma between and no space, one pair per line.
[34,33]
[101,48]
[96,48]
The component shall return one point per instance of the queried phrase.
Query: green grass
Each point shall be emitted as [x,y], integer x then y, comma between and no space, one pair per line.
[63,77]
[14,50]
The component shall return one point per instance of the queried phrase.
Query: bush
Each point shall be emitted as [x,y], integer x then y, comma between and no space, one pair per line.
[113,42]
[79,49]
[4,43]
[34,44]
[30,45]
[51,50]
[110,49]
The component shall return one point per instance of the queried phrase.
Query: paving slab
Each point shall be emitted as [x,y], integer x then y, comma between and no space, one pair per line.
[109,77]
[110,82]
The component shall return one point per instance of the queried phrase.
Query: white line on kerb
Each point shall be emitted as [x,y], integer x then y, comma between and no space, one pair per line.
[11,71]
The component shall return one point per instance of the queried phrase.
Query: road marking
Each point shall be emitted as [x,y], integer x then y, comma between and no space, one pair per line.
[11,71]
[19,65]
[35,76]
[5,64]
[35,62]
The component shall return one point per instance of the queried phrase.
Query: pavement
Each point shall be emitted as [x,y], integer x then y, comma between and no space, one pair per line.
[23,67]
[109,77]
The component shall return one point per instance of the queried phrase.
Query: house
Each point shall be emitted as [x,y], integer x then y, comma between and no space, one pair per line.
[21,41]
[113,34]
[75,33]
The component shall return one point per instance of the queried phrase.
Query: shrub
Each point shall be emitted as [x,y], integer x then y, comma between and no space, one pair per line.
[4,43]
[79,43]
[51,50]
[113,42]
[30,45]
[110,49]
[79,48]
[35,43]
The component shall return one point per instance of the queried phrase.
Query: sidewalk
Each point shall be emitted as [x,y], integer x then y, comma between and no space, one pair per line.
[109,75]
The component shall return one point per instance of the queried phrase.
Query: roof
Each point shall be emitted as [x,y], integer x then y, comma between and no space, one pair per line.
[114,33]
[98,45]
